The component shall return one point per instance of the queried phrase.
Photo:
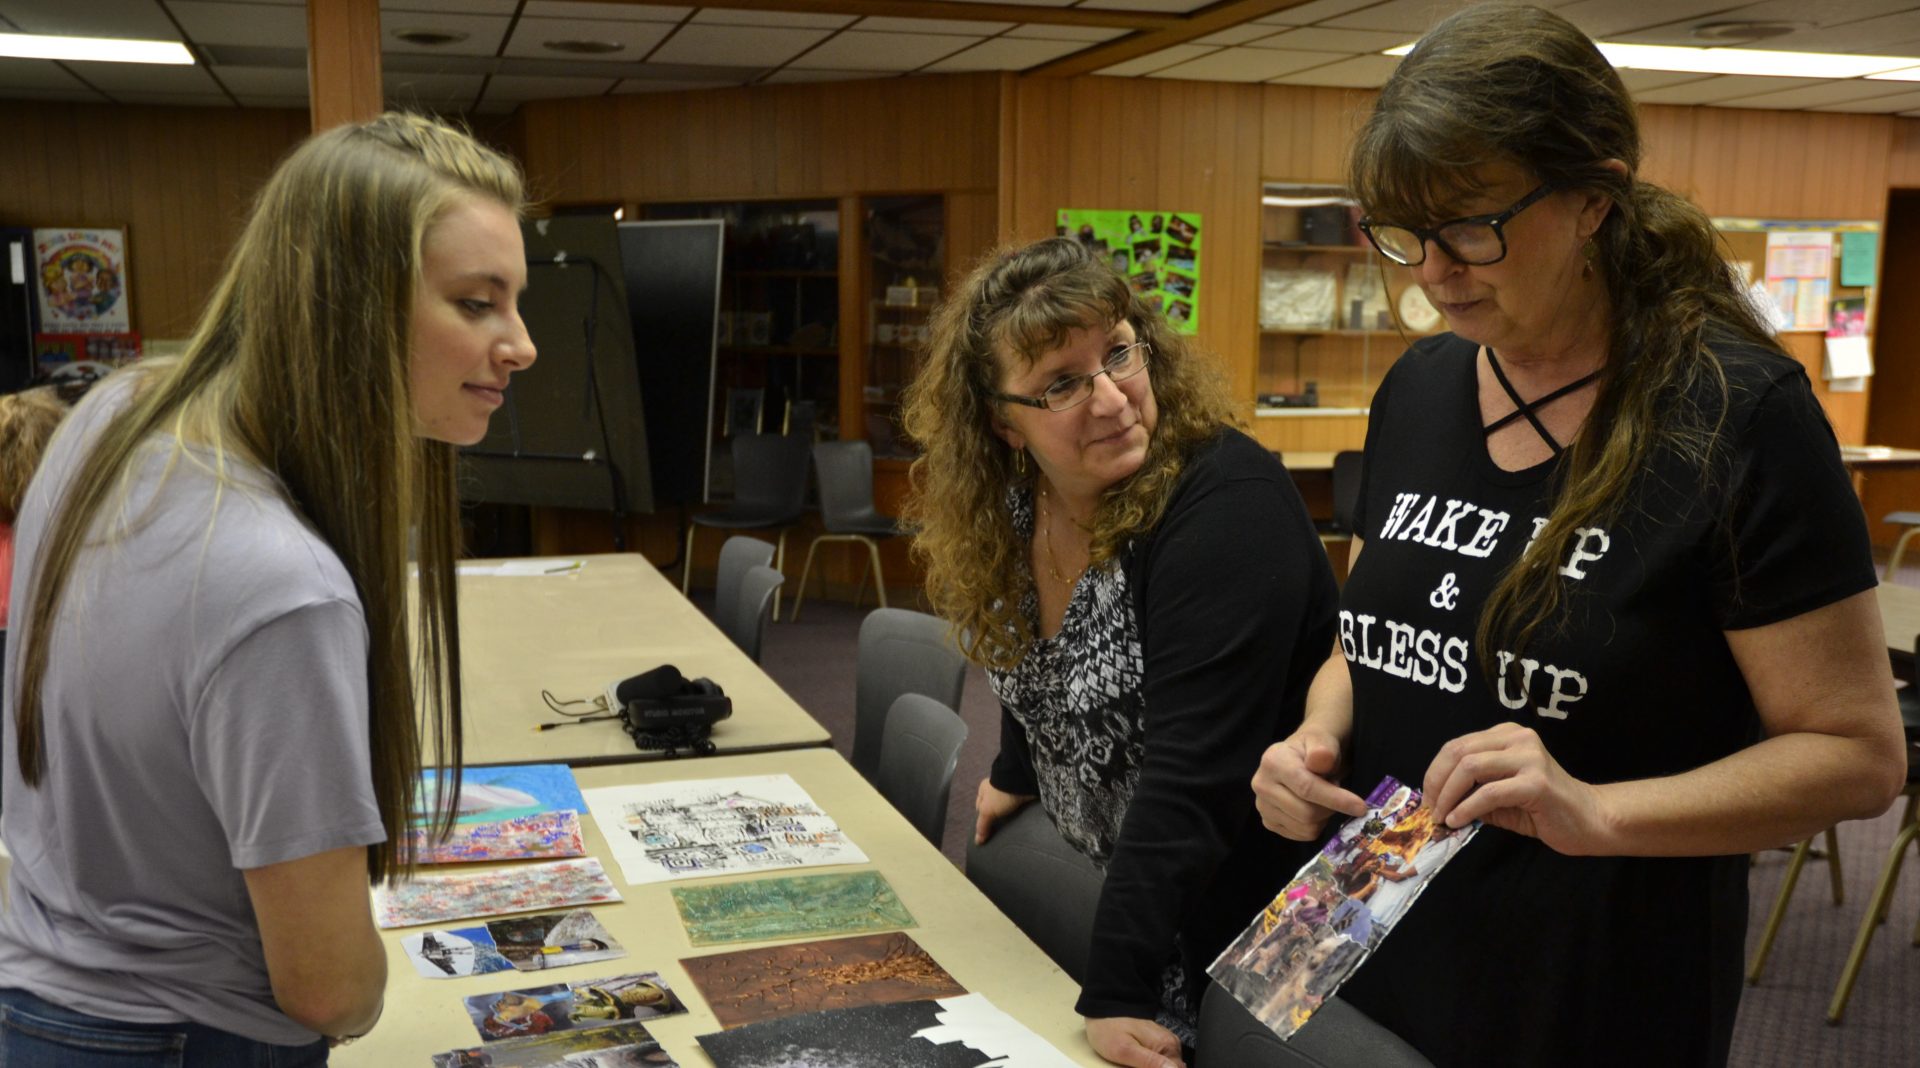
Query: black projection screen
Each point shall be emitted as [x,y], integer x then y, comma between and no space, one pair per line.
[673,301]
[572,433]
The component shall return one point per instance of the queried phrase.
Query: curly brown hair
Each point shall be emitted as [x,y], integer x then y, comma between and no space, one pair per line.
[27,422]
[1024,302]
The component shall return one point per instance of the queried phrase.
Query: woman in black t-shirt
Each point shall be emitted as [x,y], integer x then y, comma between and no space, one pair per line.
[1148,596]
[1616,594]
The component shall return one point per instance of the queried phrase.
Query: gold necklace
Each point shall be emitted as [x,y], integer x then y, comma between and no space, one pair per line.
[1046,536]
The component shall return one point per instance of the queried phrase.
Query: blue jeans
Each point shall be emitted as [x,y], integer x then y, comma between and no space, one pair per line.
[39,1034]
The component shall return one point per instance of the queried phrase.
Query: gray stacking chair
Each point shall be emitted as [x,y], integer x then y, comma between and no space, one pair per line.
[919,749]
[769,490]
[744,618]
[738,555]
[900,652]
[1338,1036]
[1045,886]
[845,471]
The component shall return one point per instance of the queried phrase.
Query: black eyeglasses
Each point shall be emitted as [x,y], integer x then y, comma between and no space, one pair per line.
[1476,240]
[1122,363]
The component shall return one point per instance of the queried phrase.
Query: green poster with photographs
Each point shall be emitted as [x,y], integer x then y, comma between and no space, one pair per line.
[1158,252]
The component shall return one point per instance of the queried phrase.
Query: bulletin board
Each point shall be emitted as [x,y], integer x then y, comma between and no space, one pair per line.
[1157,251]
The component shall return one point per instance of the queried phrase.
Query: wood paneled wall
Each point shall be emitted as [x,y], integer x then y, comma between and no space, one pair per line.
[179,180]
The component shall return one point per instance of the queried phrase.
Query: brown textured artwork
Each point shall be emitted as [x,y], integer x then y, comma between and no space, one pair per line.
[838,973]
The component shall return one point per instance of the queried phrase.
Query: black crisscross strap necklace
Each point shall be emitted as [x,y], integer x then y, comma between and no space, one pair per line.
[1524,409]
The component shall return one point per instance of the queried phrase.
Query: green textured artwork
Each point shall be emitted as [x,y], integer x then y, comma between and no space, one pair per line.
[799,906]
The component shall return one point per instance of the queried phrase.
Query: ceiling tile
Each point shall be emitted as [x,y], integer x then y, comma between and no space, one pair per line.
[639,38]
[736,46]
[434,91]
[1008,53]
[573,9]
[121,79]
[1360,72]
[80,95]
[180,100]
[668,85]
[483,33]
[452,7]
[1614,19]
[270,100]
[1902,104]
[1045,32]
[1840,92]
[36,74]
[1243,65]
[1638,80]
[1328,39]
[519,87]
[269,81]
[1167,6]
[245,24]
[1722,87]
[1399,16]
[1887,34]
[1153,61]
[790,74]
[1311,12]
[855,50]
[722,16]
[967,27]
[1027,3]
[140,19]
[1237,35]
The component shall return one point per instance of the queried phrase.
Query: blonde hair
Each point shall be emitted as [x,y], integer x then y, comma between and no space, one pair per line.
[1024,302]
[300,366]
[1503,83]
[27,422]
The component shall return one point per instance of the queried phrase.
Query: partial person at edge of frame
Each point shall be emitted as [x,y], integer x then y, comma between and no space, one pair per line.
[1148,596]
[213,733]
[1612,592]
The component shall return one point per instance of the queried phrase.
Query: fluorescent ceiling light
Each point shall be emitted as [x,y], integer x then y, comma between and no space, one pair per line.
[1304,202]
[96,49]
[1757,61]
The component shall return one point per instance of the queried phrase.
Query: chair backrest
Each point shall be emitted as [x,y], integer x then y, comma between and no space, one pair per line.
[1346,488]
[738,555]
[919,748]
[1338,1036]
[845,470]
[1045,886]
[770,473]
[901,651]
[744,618]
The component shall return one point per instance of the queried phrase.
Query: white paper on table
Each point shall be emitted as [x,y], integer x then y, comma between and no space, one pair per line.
[979,1024]
[692,829]
[1849,357]
[524,568]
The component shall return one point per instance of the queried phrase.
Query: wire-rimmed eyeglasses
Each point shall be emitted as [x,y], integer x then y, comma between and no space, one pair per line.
[1122,363]
[1476,240]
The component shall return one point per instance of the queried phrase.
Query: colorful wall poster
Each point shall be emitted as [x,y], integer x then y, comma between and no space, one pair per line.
[1799,276]
[799,906]
[81,280]
[958,1032]
[1157,251]
[1331,916]
[510,812]
[750,985]
[693,829]
[528,888]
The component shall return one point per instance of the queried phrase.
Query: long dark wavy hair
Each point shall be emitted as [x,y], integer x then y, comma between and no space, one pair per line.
[1510,84]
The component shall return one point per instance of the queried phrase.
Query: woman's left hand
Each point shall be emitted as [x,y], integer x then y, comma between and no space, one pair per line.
[1504,777]
[1134,1042]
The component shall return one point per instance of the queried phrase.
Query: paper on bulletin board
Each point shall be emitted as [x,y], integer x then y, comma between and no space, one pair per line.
[1158,252]
[1799,276]
[1859,252]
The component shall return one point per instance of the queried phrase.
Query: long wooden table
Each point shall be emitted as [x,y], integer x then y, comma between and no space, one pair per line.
[957,925]
[574,631]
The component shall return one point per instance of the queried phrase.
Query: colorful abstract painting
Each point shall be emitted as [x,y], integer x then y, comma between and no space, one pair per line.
[621,1045]
[794,906]
[527,888]
[590,1003]
[760,984]
[510,812]
[689,830]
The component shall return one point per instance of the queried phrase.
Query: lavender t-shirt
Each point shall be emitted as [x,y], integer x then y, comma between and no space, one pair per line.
[204,712]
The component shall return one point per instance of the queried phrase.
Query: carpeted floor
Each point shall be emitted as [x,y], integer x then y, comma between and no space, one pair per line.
[1782,1020]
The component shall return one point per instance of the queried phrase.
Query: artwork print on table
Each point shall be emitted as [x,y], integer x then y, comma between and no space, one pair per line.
[528,888]
[622,1045]
[511,812]
[524,943]
[958,1032]
[692,829]
[590,1003]
[750,985]
[797,906]
[1334,913]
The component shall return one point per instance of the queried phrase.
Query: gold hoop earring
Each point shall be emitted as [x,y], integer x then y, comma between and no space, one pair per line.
[1020,462]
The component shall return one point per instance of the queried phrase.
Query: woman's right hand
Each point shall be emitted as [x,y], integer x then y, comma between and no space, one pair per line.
[991,806]
[1294,790]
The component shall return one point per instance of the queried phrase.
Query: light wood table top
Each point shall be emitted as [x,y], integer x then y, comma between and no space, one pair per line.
[1307,461]
[1878,456]
[958,926]
[571,634]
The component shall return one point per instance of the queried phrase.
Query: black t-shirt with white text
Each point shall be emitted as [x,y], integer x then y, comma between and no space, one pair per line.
[1520,955]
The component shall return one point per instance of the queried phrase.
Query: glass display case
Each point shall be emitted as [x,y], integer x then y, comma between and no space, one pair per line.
[904,238]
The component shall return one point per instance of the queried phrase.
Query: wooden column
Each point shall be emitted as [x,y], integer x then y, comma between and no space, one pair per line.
[343,61]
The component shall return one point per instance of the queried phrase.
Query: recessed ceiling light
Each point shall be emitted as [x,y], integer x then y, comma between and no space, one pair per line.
[430,38]
[1756,61]
[584,48]
[93,49]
